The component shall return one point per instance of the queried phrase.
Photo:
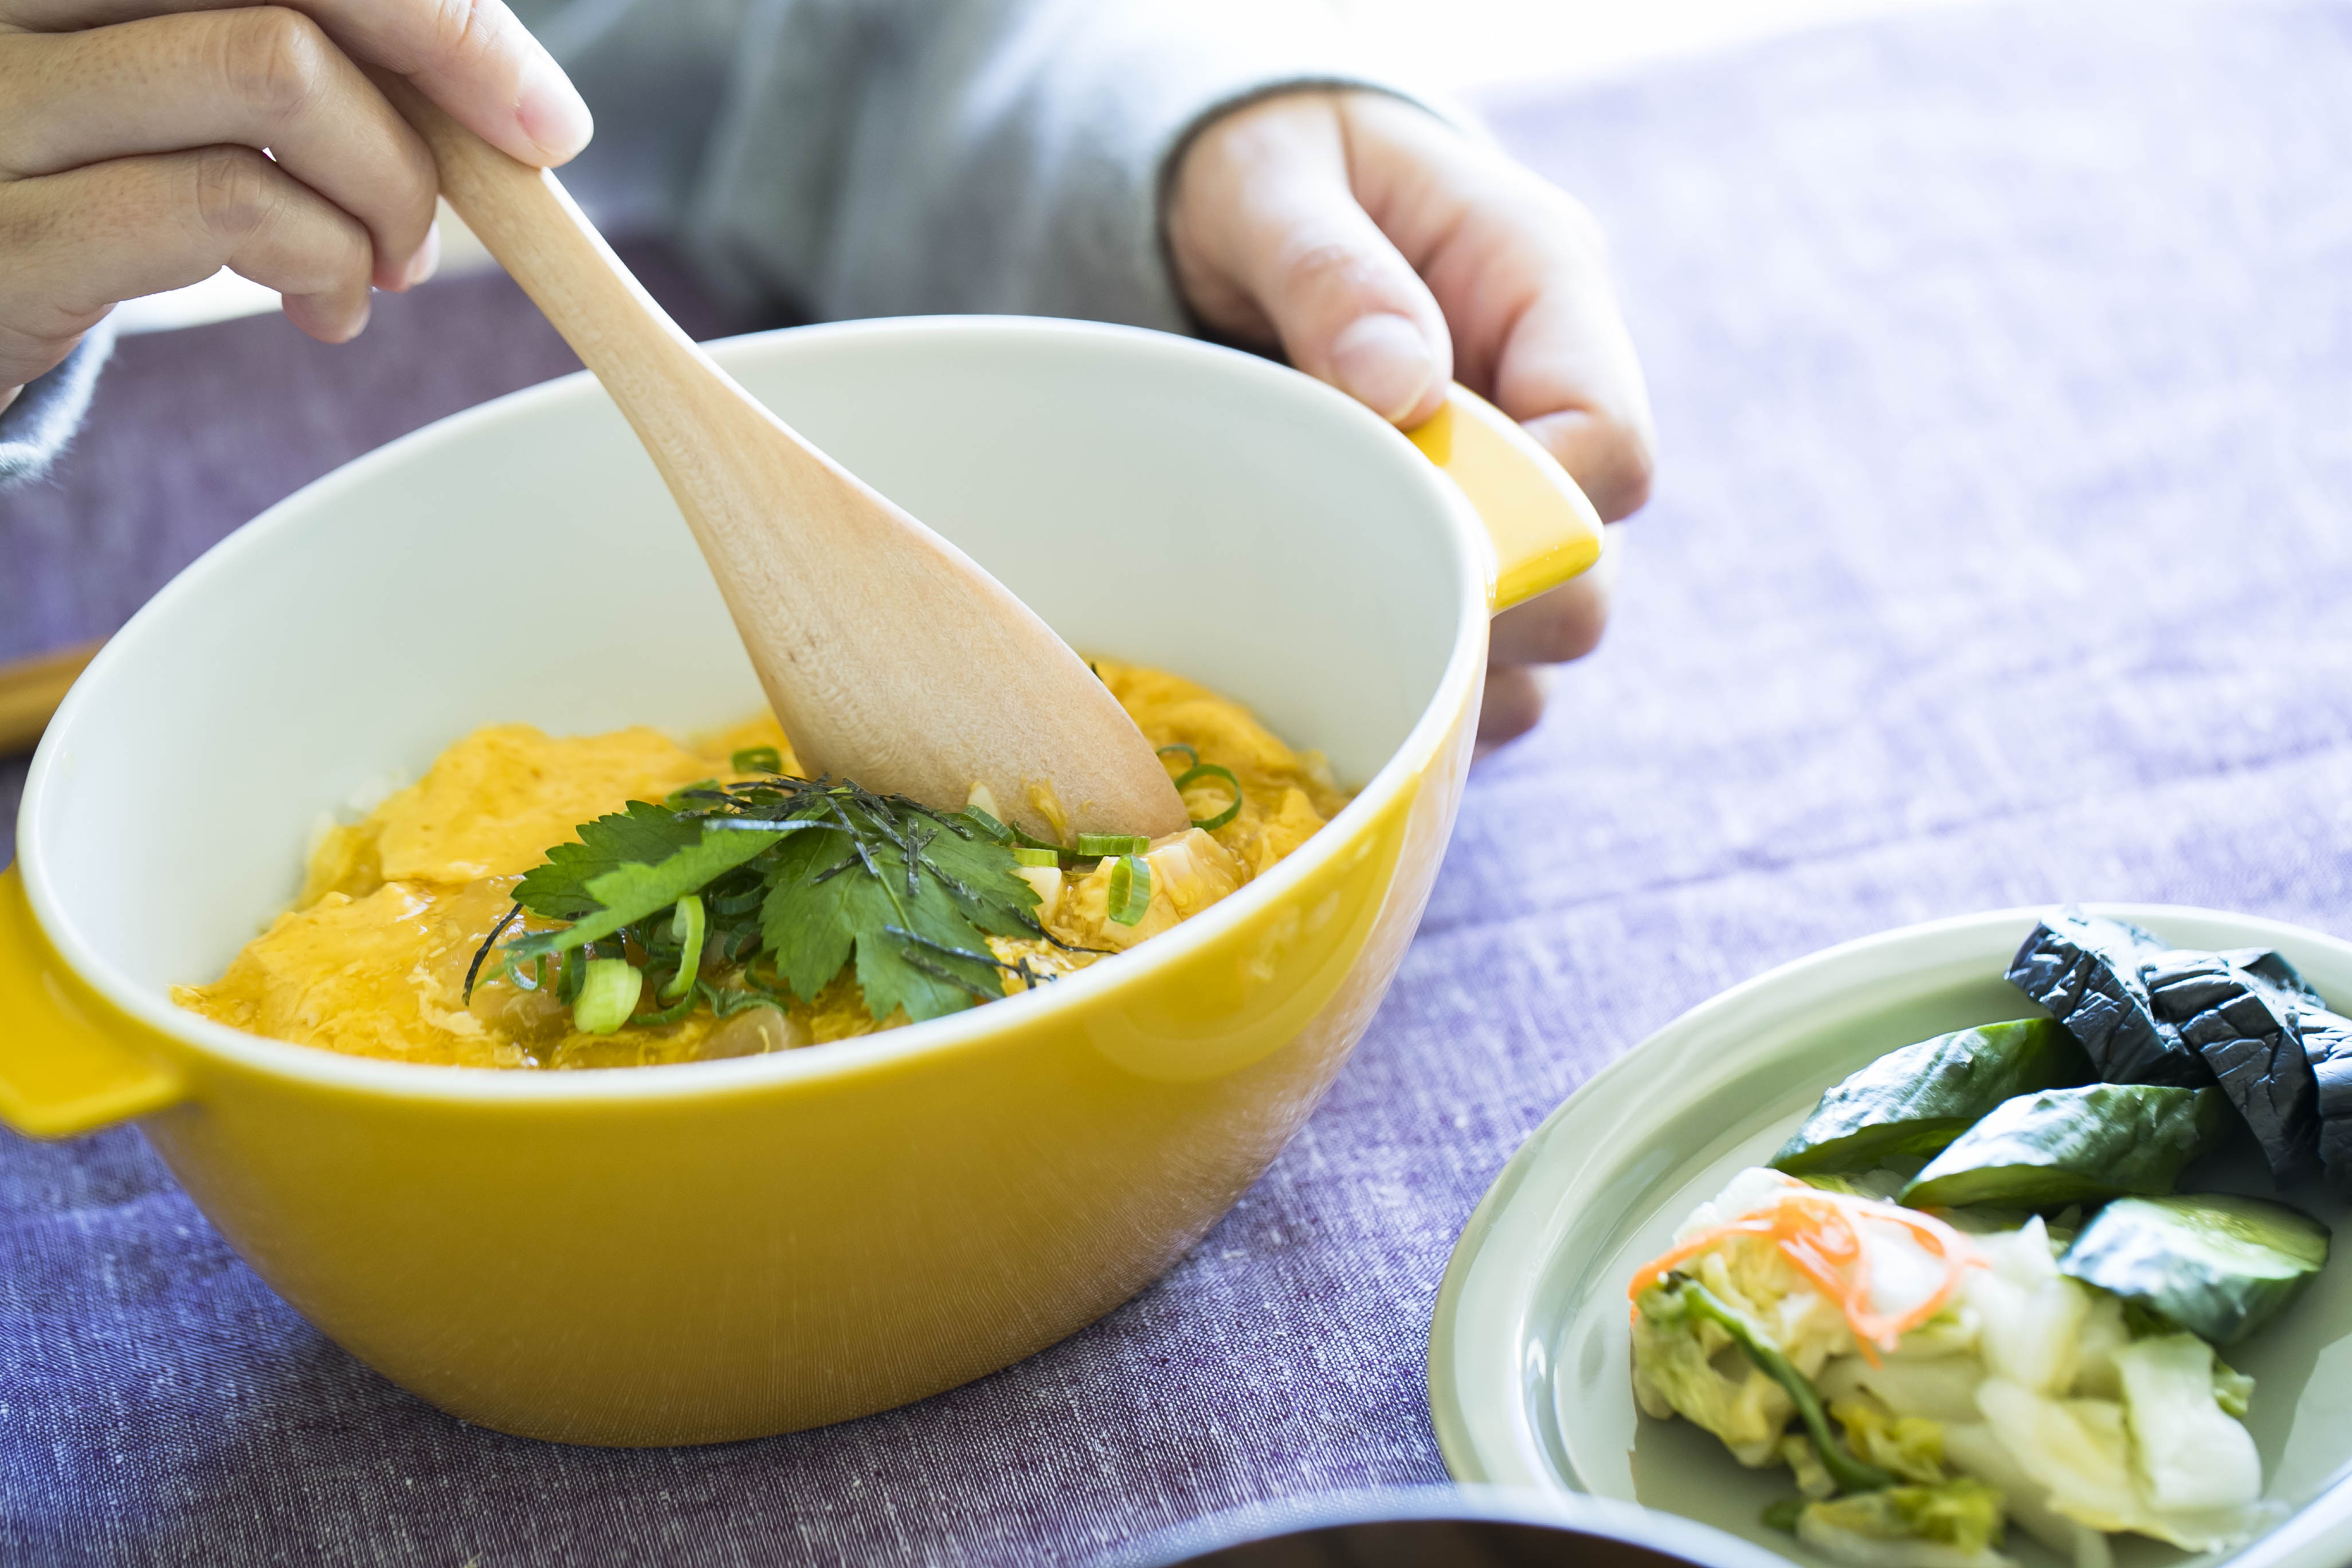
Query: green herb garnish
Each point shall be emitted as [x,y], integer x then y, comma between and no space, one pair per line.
[688,926]
[1103,846]
[1200,771]
[750,894]
[608,995]
[1130,889]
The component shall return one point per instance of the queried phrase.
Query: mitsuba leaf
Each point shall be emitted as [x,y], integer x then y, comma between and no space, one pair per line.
[810,921]
[983,881]
[643,835]
[628,894]
[817,873]
[917,942]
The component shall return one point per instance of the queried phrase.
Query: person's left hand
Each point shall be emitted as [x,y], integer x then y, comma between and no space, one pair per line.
[1387,253]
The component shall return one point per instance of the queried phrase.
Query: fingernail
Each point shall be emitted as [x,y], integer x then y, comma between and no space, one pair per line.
[428,259]
[552,113]
[1383,361]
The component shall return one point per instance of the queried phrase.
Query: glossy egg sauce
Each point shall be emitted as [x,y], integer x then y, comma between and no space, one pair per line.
[372,960]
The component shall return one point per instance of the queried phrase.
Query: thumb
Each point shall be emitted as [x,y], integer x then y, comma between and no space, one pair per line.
[1307,262]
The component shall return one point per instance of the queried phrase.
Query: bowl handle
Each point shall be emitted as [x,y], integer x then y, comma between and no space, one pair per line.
[1544,531]
[63,1070]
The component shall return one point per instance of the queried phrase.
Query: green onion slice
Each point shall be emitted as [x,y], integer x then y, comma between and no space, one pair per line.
[1131,888]
[608,995]
[1024,855]
[568,974]
[1191,756]
[677,1012]
[688,926]
[988,824]
[757,760]
[1211,770]
[1103,846]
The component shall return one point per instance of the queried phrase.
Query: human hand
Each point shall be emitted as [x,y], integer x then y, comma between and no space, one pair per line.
[132,152]
[1387,253]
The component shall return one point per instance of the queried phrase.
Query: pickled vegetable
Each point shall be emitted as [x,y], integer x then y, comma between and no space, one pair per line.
[2274,969]
[1957,1524]
[2217,1265]
[1914,1101]
[2242,1019]
[2065,1146]
[2328,1047]
[2086,969]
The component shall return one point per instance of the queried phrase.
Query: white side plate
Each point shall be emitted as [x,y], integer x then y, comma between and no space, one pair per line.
[1529,1377]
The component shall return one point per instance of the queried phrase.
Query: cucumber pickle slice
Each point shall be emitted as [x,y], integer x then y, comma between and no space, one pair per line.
[2217,1265]
[1915,1100]
[2063,1146]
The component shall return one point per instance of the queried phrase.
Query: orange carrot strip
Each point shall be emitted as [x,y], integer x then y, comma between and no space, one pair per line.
[1683,1251]
[1817,1232]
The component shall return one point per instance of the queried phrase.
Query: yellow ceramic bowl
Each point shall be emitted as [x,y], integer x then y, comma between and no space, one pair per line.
[693,1254]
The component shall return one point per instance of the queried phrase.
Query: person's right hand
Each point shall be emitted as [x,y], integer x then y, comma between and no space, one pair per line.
[131,150]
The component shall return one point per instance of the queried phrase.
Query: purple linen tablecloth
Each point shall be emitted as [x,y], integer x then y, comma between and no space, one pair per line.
[2002,554]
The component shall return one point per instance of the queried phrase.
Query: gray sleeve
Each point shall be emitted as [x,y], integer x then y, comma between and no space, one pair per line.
[39,423]
[880,157]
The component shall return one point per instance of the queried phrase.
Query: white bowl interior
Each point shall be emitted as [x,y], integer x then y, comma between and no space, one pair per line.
[1155,498]
[1529,1368]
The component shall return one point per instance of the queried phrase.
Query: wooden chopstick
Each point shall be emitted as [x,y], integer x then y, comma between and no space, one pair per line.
[30,691]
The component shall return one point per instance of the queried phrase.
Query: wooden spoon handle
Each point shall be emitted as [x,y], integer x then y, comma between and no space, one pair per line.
[671,391]
[888,655]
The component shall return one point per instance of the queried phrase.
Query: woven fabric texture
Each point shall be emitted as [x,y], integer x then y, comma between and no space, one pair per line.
[2001,554]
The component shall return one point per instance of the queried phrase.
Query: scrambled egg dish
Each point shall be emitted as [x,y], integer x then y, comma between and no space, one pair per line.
[373,958]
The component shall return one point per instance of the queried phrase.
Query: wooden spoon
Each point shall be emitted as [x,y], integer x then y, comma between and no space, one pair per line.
[889,657]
